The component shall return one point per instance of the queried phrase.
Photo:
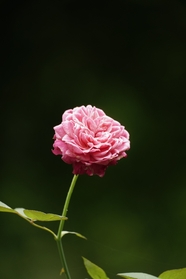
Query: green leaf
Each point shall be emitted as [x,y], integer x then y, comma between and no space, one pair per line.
[20,212]
[94,271]
[6,208]
[174,274]
[137,275]
[32,215]
[41,216]
[77,234]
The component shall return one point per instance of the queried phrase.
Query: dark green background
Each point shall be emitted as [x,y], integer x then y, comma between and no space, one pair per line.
[129,59]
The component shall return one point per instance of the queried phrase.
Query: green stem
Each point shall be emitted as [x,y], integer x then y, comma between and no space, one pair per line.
[61,226]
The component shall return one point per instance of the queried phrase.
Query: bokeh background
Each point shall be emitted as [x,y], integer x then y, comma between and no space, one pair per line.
[129,59]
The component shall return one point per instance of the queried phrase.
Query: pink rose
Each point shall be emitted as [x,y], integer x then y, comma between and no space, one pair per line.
[90,140]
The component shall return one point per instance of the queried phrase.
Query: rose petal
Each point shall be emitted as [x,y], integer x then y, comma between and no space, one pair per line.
[90,140]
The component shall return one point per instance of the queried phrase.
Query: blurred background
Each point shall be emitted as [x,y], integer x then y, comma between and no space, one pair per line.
[129,59]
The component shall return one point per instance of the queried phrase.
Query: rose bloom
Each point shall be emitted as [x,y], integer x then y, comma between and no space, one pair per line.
[90,140]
